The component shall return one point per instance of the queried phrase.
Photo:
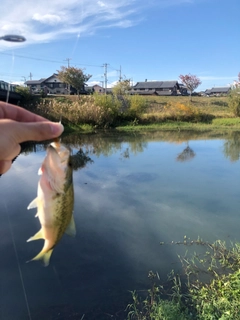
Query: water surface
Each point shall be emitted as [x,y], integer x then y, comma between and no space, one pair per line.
[131,193]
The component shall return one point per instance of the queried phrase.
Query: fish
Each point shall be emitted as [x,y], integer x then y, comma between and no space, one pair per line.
[55,200]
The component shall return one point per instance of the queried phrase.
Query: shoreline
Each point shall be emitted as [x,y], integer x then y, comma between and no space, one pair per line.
[224,124]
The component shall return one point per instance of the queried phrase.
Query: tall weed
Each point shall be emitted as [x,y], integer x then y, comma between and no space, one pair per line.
[234,102]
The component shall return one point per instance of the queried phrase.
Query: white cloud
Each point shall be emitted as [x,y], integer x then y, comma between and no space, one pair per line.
[93,83]
[45,20]
[50,19]
[101,4]
[109,84]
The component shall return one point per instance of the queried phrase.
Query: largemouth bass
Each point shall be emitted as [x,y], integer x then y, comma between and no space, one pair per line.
[55,198]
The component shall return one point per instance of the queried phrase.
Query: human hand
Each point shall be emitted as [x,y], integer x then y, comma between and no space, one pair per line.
[18,125]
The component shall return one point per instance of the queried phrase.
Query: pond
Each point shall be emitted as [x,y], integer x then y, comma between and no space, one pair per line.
[132,192]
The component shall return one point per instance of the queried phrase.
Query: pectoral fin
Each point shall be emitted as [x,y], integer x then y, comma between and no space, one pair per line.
[38,235]
[71,228]
[33,204]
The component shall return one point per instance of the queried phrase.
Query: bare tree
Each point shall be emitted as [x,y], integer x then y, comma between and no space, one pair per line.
[191,82]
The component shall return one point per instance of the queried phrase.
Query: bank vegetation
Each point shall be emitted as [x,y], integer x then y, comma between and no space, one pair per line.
[207,287]
[134,112]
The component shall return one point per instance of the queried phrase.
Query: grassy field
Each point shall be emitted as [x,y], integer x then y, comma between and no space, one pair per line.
[88,113]
[217,106]
[179,113]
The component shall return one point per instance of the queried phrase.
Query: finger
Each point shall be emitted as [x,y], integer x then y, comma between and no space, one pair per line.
[13,152]
[5,165]
[36,131]
[10,111]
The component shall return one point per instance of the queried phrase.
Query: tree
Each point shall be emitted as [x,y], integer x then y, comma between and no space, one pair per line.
[73,77]
[24,92]
[234,101]
[186,154]
[191,82]
[236,83]
[121,87]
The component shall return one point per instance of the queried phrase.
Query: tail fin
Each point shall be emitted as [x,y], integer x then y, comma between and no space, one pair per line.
[45,256]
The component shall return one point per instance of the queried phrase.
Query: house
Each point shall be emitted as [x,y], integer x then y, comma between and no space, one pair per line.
[218,91]
[95,88]
[183,90]
[160,88]
[51,85]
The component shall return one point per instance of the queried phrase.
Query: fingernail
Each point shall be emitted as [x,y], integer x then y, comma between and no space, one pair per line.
[57,128]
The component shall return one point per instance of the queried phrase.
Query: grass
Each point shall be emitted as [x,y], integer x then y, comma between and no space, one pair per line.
[216,124]
[131,113]
[209,288]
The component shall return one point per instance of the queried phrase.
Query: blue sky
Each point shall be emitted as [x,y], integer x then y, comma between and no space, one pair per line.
[152,39]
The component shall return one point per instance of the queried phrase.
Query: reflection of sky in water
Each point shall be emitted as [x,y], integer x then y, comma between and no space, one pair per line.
[124,207]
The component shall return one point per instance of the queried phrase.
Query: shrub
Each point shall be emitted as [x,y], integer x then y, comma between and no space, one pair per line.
[24,92]
[211,290]
[94,110]
[234,102]
[181,112]
[137,104]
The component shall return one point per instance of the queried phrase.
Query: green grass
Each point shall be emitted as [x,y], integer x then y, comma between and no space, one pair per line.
[209,288]
[226,122]
[216,124]
[86,128]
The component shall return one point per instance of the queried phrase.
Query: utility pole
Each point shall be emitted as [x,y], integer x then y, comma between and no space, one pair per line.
[68,60]
[120,74]
[105,76]
[30,76]
[68,86]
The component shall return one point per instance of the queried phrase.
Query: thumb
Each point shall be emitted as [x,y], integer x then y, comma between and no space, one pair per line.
[36,131]
[5,165]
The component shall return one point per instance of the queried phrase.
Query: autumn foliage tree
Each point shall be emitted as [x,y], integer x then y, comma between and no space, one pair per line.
[190,81]
[121,87]
[234,98]
[74,77]
[237,82]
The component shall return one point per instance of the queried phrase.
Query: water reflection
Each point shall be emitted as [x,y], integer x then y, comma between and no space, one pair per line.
[231,147]
[78,160]
[130,195]
[108,143]
[186,154]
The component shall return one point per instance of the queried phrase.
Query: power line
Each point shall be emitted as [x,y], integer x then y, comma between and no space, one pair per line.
[47,60]
[27,57]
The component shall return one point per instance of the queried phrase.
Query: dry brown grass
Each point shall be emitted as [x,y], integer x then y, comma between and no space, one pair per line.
[216,106]
[108,110]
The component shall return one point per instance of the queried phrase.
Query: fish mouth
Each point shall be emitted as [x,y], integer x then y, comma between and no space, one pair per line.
[52,149]
[58,151]
[52,152]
